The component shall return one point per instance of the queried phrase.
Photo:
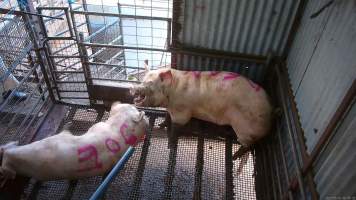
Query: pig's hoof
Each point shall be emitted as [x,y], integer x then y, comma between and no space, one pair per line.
[239,153]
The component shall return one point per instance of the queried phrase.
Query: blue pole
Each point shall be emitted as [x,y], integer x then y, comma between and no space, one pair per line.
[113,173]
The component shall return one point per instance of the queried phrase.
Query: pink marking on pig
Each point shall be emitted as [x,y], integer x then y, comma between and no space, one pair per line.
[88,152]
[214,73]
[130,139]
[196,74]
[230,76]
[112,145]
[254,85]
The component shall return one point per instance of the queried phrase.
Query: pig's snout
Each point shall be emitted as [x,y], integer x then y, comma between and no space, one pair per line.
[139,94]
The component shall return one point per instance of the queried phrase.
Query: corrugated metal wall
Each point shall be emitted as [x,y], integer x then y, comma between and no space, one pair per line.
[335,170]
[322,63]
[322,67]
[245,26]
[242,26]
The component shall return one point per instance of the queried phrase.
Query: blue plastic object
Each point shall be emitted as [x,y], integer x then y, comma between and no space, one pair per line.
[113,173]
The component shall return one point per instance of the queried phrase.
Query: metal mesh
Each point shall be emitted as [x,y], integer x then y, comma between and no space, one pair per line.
[23,92]
[148,173]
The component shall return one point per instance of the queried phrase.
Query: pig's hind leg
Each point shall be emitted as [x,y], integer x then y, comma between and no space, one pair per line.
[5,171]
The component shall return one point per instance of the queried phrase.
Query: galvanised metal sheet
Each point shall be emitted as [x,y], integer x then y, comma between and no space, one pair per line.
[244,26]
[330,69]
[240,26]
[322,68]
[335,170]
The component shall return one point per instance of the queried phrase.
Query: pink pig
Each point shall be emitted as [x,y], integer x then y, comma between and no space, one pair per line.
[66,156]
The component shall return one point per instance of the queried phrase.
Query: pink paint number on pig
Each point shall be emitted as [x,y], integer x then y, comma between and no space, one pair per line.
[88,153]
[112,145]
[230,76]
[214,73]
[130,139]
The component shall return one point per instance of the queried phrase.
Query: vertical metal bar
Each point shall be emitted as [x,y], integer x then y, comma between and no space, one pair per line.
[277,166]
[169,28]
[51,68]
[47,52]
[173,146]
[142,163]
[32,35]
[199,168]
[290,134]
[298,130]
[229,184]
[284,162]
[85,7]
[85,65]
[69,22]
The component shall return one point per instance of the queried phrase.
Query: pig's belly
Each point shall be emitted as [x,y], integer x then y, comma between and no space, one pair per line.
[56,159]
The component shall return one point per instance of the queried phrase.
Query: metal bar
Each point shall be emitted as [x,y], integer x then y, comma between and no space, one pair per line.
[290,134]
[69,72]
[294,29]
[70,81]
[229,188]
[334,121]
[69,23]
[113,65]
[123,47]
[17,87]
[32,35]
[297,129]
[220,54]
[120,15]
[64,56]
[284,162]
[51,68]
[59,38]
[17,12]
[69,97]
[73,90]
[274,158]
[173,147]
[102,49]
[100,30]
[141,165]
[199,163]
[52,8]
[85,65]
[113,173]
[109,79]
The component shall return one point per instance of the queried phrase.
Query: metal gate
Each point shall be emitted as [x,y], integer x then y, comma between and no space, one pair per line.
[90,62]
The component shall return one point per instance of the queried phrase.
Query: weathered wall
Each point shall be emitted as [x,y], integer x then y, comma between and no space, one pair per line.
[322,63]
[322,67]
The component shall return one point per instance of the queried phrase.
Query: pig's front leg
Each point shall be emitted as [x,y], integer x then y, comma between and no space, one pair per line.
[180,117]
[177,119]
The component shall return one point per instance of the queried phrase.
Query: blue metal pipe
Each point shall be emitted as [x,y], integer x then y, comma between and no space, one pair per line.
[113,173]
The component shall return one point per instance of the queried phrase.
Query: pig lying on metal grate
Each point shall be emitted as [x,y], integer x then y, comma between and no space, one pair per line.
[66,156]
[224,98]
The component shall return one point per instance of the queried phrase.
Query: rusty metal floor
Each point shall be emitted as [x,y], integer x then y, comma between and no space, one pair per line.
[196,167]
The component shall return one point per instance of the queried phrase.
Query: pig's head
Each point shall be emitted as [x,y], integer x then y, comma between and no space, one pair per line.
[153,91]
[135,123]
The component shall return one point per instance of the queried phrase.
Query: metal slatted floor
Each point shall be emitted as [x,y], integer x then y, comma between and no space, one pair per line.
[194,167]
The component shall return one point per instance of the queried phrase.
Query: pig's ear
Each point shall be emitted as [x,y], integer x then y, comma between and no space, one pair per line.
[113,106]
[139,117]
[166,76]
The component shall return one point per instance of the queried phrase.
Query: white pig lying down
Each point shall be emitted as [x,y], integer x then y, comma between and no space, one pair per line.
[66,156]
[224,98]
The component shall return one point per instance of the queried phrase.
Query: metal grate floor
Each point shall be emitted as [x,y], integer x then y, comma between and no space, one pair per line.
[196,167]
